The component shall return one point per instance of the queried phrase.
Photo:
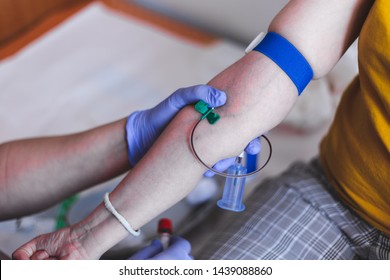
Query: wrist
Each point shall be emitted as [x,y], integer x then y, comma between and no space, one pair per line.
[85,238]
[98,232]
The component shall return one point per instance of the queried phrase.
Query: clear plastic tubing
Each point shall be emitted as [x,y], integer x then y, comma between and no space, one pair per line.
[233,191]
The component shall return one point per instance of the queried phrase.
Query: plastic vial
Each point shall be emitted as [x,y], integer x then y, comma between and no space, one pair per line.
[233,191]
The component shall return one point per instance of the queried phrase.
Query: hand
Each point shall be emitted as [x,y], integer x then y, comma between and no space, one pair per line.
[58,245]
[253,148]
[179,249]
[143,127]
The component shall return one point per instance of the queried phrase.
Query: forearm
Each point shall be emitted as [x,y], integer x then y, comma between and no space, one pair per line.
[156,183]
[37,173]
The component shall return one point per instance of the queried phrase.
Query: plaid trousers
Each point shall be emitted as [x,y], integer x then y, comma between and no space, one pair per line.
[295,216]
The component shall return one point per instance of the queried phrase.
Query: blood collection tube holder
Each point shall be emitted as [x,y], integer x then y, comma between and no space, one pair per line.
[233,192]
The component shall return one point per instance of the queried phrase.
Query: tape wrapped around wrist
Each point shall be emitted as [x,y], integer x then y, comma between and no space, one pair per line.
[288,58]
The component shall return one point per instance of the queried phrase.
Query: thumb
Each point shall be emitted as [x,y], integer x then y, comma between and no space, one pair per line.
[254,147]
[179,249]
[148,252]
[185,96]
[25,251]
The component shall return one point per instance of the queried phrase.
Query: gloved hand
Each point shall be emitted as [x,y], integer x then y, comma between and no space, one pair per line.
[144,127]
[179,249]
[252,148]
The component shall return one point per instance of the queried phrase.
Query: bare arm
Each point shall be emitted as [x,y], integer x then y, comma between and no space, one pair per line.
[259,96]
[37,173]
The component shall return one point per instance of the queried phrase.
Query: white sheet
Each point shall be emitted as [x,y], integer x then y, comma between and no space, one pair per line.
[97,67]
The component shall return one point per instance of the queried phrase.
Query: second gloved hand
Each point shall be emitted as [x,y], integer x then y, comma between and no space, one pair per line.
[179,249]
[253,148]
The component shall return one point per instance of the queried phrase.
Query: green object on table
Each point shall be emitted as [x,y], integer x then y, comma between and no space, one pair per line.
[61,220]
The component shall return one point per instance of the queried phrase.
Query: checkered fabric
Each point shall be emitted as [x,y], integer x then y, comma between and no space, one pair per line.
[297,216]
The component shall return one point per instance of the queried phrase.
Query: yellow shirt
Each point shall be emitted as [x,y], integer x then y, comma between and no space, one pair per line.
[356,151]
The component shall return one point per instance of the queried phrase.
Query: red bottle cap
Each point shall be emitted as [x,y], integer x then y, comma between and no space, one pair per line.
[164,225]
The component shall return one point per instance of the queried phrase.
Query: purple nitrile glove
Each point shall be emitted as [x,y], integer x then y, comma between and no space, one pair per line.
[179,249]
[253,148]
[144,127]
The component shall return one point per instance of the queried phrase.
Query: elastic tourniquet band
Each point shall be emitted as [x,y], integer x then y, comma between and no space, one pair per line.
[288,58]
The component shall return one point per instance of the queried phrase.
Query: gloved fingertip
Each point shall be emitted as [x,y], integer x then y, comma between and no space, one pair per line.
[209,174]
[224,164]
[156,243]
[216,97]
[179,242]
[254,147]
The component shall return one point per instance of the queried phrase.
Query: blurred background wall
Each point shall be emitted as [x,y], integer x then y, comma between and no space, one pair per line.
[237,20]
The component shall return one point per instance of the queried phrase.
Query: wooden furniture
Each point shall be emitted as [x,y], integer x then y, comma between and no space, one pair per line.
[22,21]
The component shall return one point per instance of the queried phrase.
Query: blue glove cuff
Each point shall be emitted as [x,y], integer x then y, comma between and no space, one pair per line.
[288,58]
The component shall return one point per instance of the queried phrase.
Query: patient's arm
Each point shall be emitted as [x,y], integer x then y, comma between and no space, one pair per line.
[259,97]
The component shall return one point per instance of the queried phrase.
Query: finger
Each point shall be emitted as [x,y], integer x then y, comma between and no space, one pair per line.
[209,174]
[167,109]
[25,251]
[220,166]
[40,255]
[224,164]
[185,96]
[146,253]
[254,147]
[179,249]
[214,97]
[178,242]
[21,254]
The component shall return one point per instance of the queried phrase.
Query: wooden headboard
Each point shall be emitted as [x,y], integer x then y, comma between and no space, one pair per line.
[22,21]
[19,16]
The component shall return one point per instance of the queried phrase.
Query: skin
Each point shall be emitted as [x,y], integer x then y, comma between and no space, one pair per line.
[260,95]
[56,169]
